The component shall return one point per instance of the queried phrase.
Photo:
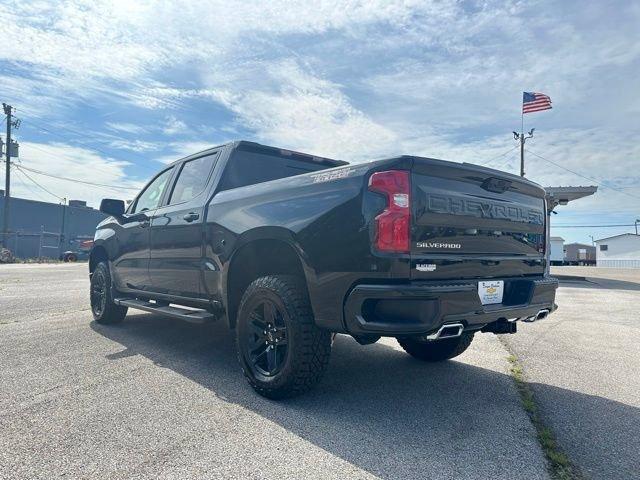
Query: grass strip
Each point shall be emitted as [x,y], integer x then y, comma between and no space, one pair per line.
[560,467]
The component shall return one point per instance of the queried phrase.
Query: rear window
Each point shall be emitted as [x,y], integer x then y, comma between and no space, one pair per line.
[192,179]
[250,166]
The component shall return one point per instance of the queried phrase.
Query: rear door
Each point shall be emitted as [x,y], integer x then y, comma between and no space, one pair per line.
[175,266]
[470,222]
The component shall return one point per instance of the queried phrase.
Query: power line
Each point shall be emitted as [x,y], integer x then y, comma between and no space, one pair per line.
[50,153]
[599,182]
[36,183]
[75,180]
[28,186]
[498,156]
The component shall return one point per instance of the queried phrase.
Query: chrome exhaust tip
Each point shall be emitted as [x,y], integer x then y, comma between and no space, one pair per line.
[449,330]
[538,316]
[542,314]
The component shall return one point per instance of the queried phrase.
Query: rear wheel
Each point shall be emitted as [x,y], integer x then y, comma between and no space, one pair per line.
[436,350]
[280,349]
[102,306]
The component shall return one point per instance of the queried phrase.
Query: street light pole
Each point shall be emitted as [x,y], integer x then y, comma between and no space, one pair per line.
[7,180]
[522,139]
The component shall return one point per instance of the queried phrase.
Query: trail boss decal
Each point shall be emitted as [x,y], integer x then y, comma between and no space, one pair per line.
[332,175]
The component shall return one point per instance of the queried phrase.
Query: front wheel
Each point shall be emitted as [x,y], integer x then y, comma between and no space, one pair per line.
[280,349]
[102,306]
[437,350]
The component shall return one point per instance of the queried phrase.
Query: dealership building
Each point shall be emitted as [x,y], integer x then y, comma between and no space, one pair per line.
[619,251]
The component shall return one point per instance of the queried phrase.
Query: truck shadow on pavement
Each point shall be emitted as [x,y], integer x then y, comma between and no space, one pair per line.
[377,408]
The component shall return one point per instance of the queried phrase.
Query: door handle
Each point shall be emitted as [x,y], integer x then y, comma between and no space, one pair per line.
[191,216]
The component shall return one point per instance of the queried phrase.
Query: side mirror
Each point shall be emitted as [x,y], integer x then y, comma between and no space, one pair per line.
[113,207]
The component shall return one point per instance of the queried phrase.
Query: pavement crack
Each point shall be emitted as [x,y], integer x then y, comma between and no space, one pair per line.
[560,467]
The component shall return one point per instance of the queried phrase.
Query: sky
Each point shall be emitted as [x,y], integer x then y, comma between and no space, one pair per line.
[109,91]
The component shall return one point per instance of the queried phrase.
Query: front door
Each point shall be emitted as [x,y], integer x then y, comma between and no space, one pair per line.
[177,229]
[131,267]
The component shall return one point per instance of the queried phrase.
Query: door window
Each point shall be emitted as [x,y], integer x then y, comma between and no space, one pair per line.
[192,179]
[150,197]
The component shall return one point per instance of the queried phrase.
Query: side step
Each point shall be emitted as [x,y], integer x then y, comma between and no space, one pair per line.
[190,315]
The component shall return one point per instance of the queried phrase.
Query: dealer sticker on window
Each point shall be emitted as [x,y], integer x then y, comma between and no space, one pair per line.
[491,292]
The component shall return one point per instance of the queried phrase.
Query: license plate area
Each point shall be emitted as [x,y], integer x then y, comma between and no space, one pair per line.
[491,292]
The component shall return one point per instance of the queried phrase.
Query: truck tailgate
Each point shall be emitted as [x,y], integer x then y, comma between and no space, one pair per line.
[472,222]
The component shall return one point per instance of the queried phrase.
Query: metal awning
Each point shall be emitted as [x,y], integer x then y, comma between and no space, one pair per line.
[563,195]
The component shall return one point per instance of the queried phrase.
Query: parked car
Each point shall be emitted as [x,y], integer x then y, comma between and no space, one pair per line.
[289,249]
[80,250]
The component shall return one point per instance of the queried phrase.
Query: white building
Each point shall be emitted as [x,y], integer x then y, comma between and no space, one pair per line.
[619,251]
[556,252]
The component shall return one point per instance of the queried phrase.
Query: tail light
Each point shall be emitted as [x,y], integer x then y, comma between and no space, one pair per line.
[392,225]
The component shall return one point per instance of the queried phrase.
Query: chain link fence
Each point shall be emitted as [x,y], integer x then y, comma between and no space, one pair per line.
[23,245]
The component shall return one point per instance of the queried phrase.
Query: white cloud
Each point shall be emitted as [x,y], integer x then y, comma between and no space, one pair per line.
[82,164]
[353,80]
[127,127]
[183,149]
[296,109]
[134,145]
[174,126]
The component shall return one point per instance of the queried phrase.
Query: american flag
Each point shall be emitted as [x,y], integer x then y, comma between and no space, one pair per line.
[534,102]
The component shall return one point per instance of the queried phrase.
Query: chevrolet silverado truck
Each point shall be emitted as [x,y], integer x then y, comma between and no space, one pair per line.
[289,249]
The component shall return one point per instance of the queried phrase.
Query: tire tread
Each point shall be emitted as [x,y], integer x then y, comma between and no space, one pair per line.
[312,356]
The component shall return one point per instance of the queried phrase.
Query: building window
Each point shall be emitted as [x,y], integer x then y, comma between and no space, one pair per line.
[604,248]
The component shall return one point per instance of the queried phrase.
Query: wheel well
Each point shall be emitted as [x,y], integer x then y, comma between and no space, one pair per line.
[255,260]
[98,254]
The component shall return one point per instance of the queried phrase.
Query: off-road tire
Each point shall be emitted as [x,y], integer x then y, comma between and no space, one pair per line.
[308,347]
[103,309]
[437,350]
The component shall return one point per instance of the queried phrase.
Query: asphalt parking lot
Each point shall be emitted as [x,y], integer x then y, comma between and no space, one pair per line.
[154,397]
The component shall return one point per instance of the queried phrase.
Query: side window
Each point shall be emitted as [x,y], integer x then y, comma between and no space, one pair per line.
[604,248]
[192,179]
[151,195]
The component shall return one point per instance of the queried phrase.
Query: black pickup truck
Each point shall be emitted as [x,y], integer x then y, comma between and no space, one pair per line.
[289,249]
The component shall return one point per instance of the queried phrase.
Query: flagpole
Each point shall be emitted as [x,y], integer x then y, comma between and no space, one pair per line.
[522,138]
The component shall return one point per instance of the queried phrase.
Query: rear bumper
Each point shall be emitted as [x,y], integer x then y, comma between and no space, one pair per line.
[419,308]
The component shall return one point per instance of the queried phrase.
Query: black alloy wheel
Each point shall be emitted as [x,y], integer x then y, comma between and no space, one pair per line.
[268,341]
[98,293]
[103,308]
[281,351]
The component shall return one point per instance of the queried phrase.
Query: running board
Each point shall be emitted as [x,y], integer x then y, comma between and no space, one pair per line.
[193,316]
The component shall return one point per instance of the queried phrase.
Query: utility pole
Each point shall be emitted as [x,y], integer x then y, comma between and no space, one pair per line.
[522,139]
[7,181]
